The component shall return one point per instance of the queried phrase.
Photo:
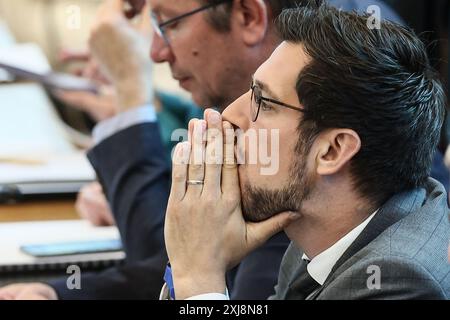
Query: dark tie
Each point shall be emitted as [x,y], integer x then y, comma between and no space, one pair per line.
[303,285]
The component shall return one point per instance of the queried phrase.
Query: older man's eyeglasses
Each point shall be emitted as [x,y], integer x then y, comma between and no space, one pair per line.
[160,27]
[257,100]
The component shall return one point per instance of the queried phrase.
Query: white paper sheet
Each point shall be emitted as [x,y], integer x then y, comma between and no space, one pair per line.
[31,129]
[28,56]
[6,40]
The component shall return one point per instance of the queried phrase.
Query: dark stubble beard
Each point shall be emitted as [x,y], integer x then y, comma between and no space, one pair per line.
[260,204]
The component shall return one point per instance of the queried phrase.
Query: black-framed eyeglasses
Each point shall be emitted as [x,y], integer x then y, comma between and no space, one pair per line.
[257,100]
[160,27]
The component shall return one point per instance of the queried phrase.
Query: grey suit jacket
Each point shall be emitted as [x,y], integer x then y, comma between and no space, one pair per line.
[404,247]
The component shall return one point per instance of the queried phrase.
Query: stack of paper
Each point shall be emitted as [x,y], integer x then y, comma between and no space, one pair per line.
[28,56]
[6,37]
[6,40]
[28,61]
[35,150]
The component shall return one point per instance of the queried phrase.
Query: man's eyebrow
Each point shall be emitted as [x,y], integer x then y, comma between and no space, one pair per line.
[265,88]
[155,9]
[158,10]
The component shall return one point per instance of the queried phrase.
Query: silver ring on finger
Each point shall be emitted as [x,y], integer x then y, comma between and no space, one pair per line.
[195,182]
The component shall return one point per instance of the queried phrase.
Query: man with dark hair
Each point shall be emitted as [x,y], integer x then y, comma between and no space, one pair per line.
[359,113]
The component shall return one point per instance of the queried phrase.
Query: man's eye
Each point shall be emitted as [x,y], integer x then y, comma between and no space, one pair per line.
[172,26]
[265,106]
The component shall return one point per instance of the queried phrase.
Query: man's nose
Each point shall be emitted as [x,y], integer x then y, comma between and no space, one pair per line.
[160,51]
[237,113]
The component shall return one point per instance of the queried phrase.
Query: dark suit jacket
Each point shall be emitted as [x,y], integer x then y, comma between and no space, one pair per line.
[407,241]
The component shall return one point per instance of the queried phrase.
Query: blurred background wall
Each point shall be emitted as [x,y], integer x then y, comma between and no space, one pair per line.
[53,24]
[50,24]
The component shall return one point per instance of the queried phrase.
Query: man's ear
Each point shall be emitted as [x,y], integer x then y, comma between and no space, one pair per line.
[250,18]
[335,149]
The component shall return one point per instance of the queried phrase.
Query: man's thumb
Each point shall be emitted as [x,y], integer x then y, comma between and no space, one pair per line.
[259,233]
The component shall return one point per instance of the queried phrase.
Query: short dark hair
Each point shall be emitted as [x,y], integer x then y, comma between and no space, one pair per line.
[219,17]
[377,82]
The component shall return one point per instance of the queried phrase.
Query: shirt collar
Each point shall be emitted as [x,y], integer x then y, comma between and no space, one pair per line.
[320,267]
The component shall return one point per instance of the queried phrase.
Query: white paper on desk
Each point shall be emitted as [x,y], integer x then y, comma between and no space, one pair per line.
[6,37]
[29,125]
[14,235]
[58,168]
[28,61]
[28,56]
[6,40]
[30,128]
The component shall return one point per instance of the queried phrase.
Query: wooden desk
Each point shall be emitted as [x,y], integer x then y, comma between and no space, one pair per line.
[39,210]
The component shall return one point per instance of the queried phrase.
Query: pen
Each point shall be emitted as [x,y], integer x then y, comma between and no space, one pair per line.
[21,161]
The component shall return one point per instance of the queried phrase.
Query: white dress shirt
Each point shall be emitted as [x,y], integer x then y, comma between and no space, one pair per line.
[122,121]
[320,266]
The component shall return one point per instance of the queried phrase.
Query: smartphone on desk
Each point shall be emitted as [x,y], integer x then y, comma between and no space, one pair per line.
[72,248]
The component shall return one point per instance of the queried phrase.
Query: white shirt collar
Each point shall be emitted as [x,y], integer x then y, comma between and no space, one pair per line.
[320,267]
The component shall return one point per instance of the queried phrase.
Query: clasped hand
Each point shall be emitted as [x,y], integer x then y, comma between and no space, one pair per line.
[205,231]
